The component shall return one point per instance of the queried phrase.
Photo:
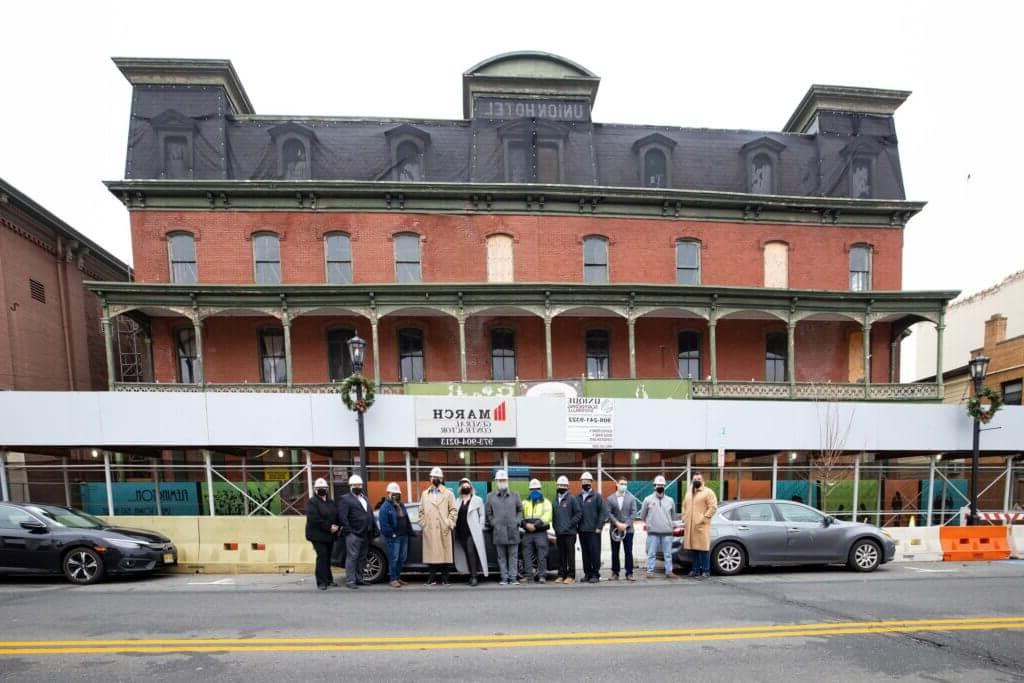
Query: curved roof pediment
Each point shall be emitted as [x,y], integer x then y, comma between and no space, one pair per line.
[530,64]
[528,74]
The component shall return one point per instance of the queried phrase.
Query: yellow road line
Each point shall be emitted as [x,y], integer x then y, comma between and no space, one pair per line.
[503,641]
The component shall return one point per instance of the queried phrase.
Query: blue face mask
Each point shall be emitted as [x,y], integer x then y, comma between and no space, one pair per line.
[536,496]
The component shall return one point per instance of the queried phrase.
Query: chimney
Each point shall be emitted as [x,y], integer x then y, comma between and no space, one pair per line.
[995,330]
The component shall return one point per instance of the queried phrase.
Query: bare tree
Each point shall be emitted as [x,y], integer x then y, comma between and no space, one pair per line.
[828,463]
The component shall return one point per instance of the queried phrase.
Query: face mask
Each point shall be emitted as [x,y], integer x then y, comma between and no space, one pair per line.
[586,487]
[356,490]
[435,482]
[321,492]
[660,490]
[466,489]
[536,496]
[622,488]
[502,485]
[397,497]
[697,483]
[561,491]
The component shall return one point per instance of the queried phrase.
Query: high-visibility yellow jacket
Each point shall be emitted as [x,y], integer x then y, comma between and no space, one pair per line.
[537,511]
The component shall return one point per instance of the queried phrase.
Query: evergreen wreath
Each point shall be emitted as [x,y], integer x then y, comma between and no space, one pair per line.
[995,402]
[369,393]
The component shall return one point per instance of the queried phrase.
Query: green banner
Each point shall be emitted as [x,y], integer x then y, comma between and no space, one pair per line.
[468,389]
[229,500]
[637,388]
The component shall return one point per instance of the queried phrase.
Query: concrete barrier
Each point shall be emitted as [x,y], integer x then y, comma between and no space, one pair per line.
[916,544]
[1017,542]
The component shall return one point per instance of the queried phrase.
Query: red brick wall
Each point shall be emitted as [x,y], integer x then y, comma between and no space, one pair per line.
[547,249]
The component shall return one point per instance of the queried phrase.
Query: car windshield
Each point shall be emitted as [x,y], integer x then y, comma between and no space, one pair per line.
[69,518]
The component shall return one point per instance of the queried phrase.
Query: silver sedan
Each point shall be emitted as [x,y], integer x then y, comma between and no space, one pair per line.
[752,533]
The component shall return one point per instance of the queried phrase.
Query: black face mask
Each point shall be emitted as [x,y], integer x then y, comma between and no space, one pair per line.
[321,492]
[356,490]
[697,485]
[466,489]
[561,491]
[659,489]
[396,497]
[586,487]
[436,482]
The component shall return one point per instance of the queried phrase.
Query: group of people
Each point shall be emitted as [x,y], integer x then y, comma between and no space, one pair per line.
[452,529]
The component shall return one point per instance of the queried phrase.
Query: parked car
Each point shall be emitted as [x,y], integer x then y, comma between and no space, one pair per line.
[752,533]
[377,556]
[51,539]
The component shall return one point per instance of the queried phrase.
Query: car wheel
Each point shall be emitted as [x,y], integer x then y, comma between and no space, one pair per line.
[376,566]
[865,556]
[83,566]
[729,559]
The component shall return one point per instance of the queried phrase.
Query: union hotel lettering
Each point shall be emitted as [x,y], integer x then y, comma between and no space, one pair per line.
[554,110]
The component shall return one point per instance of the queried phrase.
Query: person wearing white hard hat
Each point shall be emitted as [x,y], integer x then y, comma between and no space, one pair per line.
[321,531]
[595,514]
[438,513]
[504,515]
[358,527]
[657,512]
[396,529]
[566,521]
[622,508]
[536,521]
[470,551]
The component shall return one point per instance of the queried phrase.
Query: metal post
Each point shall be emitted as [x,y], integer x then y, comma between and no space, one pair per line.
[713,345]
[689,468]
[939,328]
[547,347]
[810,482]
[462,349]
[156,489]
[309,475]
[931,488]
[5,495]
[974,466]
[408,476]
[245,484]
[376,350]
[209,483]
[106,478]
[721,475]
[197,331]
[67,482]
[856,487]
[775,476]
[1008,484]
[108,343]
[631,324]
[867,356]
[363,470]
[286,324]
[330,474]
[791,357]
[504,460]
[600,473]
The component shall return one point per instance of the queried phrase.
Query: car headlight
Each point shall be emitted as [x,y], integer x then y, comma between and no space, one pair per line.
[122,543]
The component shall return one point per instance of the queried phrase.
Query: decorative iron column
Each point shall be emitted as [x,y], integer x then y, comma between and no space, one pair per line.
[108,344]
[547,345]
[631,324]
[286,324]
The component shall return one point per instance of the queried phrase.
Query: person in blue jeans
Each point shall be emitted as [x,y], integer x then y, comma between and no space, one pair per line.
[396,529]
[657,512]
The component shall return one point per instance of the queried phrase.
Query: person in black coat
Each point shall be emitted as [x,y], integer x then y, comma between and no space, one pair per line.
[358,526]
[595,514]
[566,522]
[321,530]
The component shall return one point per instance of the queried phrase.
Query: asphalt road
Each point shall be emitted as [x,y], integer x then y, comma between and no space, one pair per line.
[906,622]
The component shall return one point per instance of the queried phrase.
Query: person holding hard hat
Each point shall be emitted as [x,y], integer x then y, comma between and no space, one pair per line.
[504,515]
[536,521]
[321,530]
[566,521]
[470,551]
[657,512]
[622,508]
[438,514]
[358,526]
[396,529]
[595,514]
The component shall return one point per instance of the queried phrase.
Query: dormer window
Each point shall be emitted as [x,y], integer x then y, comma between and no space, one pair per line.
[294,144]
[861,177]
[174,132]
[762,160]
[654,153]
[408,146]
[533,150]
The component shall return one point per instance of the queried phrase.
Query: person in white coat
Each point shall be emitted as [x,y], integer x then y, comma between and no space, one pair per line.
[470,551]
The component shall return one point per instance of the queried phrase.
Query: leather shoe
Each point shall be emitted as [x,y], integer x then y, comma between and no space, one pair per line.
[322,586]
[472,581]
[353,586]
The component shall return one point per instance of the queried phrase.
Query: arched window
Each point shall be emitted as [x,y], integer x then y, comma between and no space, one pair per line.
[776,265]
[860,268]
[688,262]
[296,160]
[598,350]
[689,354]
[500,263]
[338,256]
[655,168]
[266,249]
[410,355]
[181,249]
[595,260]
[407,258]
[409,166]
[503,355]
[761,181]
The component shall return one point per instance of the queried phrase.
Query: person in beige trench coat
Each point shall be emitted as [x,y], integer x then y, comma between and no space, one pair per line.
[699,506]
[438,513]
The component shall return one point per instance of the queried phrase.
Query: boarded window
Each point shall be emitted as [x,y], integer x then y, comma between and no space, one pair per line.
[500,264]
[776,265]
[761,172]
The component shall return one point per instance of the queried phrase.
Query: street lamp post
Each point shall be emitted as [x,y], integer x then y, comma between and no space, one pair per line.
[978,367]
[356,349]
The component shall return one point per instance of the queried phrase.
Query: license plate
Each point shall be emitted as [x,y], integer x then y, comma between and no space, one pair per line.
[168,558]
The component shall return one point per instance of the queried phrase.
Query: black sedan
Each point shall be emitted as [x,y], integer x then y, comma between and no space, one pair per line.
[50,539]
[377,556]
[752,533]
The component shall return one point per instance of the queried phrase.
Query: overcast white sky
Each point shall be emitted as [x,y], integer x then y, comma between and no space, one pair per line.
[64,106]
